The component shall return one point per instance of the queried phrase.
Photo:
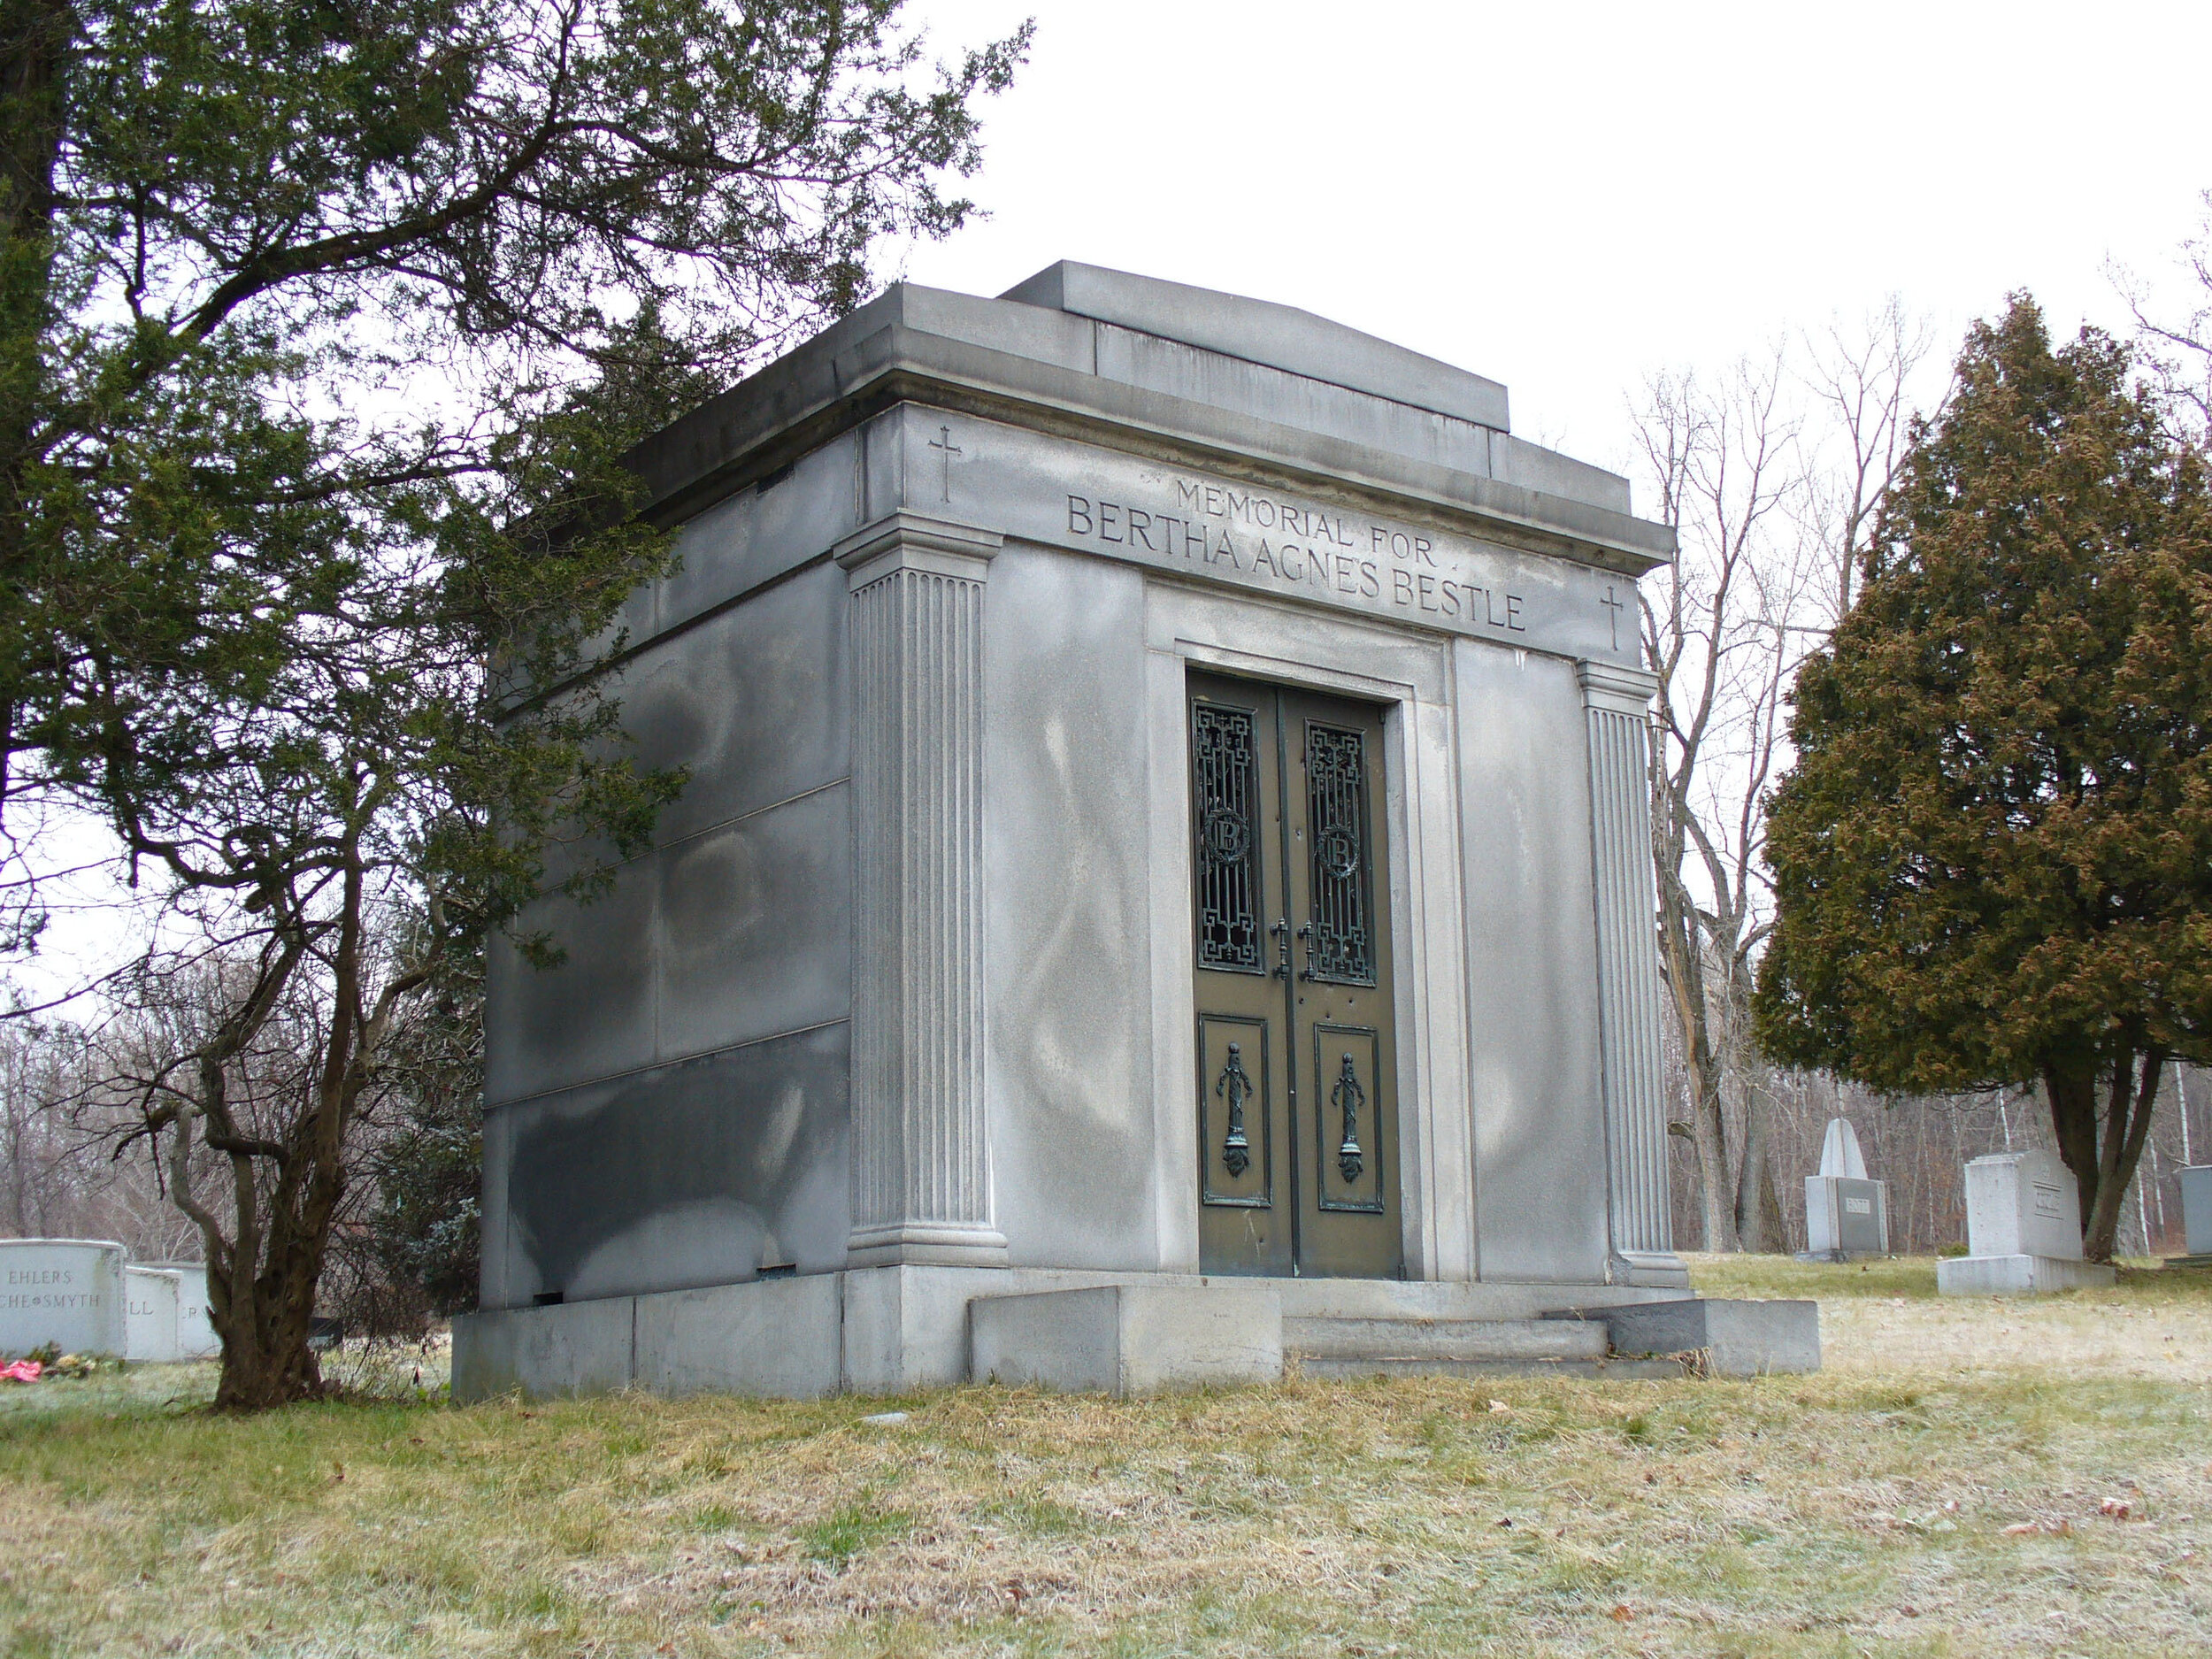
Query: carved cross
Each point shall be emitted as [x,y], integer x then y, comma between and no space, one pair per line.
[950,450]
[1615,606]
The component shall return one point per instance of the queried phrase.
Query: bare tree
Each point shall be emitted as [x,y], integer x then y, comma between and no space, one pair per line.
[1715,634]
[2178,346]
[60,1177]
[43,1175]
[1771,478]
[1860,381]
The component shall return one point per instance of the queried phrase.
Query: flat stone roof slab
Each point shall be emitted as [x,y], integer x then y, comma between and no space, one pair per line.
[1261,331]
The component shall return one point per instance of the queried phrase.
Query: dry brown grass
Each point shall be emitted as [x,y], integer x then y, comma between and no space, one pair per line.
[1865,1511]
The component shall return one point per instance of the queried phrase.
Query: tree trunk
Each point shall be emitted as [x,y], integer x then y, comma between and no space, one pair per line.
[268,1314]
[1759,1224]
[1758,1206]
[2070,1087]
[266,1360]
[2102,1156]
[1683,970]
[35,37]
[1709,1133]
[2126,1127]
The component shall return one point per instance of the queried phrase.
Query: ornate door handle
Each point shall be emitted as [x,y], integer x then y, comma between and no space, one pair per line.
[1281,935]
[1348,1097]
[1235,1084]
[1305,932]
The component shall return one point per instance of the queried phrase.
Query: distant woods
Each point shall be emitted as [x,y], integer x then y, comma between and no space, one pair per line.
[75,1154]
[1920,1145]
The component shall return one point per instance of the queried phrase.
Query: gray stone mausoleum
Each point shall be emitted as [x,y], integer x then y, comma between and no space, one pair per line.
[1164,883]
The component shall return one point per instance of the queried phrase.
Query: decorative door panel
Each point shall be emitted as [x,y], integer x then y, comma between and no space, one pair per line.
[1242,1115]
[1347,1060]
[1296,1090]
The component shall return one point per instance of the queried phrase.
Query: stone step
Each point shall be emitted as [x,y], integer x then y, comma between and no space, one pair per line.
[1462,1342]
[1351,1367]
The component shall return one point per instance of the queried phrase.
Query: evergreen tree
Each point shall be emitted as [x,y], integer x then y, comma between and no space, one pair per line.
[1994,854]
[324,326]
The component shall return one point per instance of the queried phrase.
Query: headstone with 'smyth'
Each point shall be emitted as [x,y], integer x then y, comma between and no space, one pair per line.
[1846,1214]
[65,1291]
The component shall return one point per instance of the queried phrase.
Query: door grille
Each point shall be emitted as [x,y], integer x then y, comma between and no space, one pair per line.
[1228,837]
[1343,950]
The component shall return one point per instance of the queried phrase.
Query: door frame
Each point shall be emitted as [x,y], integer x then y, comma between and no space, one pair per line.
[1410,674]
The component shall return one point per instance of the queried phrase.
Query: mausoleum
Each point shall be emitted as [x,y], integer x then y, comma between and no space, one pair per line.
[1164,885]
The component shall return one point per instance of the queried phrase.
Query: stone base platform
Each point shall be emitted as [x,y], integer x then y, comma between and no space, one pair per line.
[2202,1258]
[893,1330]
[2019,1275]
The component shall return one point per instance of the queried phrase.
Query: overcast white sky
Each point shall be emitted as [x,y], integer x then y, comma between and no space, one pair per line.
[1567,197]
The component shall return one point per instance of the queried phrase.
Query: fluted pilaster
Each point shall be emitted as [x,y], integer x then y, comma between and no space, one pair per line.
[1617,703]
[921,1165]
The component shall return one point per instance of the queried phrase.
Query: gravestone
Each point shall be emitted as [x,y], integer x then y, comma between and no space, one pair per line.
[68,1291]
[2196,1216]
[2023,1229]
[1167,806]
[149,1314]
[1846,1214]
[196,1334]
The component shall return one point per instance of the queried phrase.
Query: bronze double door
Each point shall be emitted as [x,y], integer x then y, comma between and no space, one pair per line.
[1297,1079]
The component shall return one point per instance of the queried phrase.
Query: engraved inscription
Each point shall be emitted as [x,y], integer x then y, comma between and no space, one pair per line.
[1272,543]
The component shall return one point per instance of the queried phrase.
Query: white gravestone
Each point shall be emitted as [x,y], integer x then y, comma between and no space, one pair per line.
[150,1315]
[2023,1229]
[196,1331]
[1846,1214]
[2196,1216]
[68,1291]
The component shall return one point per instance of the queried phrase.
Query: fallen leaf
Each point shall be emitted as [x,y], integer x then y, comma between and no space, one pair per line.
[1500,1405]
[2116,1508]
[1623,1614]
[2020,1529]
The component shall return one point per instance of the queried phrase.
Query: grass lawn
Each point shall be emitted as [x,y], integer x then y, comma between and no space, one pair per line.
[1941,1489]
